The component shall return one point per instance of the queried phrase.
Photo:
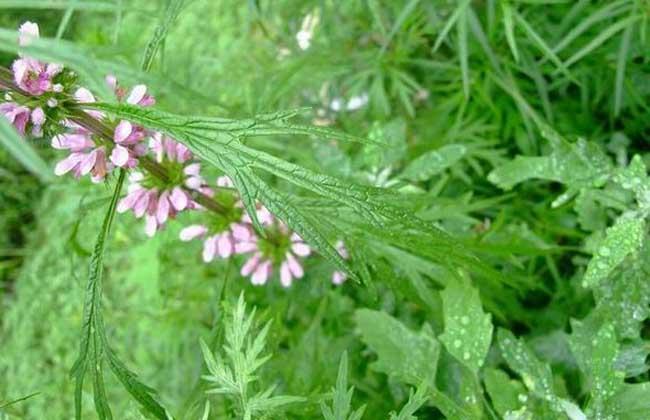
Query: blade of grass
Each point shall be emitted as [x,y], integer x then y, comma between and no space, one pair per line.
[463,53]
[509,26]
[620,69]
[600,39]
[23,152]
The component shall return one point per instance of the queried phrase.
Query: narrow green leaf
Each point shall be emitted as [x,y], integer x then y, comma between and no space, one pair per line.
[416,400]
[542,45]
[174,8]
[401,18]
[92,305]
[463,48]
[621,62]
[600,39]
[449,24]
[509,25]
[23,152]
[86,5]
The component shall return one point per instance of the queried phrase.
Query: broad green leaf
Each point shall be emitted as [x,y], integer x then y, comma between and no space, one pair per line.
[596,350]
[623,298]
[432,163]
[624,238]
[449,408]
[23,152]
[632,402]
[506,393]
[635,178]
[536,376]
[576,165]
[408,356]
[468,330]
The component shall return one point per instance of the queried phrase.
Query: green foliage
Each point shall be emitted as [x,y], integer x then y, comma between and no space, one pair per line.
[545,99]
[468,330]
[342,397]
[21,150]
[235,370]
[411,357]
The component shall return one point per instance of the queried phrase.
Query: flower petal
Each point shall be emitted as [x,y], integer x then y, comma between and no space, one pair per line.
[209,249]
[162,212]
[294,266]
[120,156]
[150,225]
[338,277]
[301,249]
[285,275]
[88,163]
[225,245]
[178,198]
[27,31]
[136,95]
[250,265]
[122,131]
[68,163]
[262,273]
[192,231]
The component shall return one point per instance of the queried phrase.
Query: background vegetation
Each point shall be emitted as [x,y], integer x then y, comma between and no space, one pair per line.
[517,127]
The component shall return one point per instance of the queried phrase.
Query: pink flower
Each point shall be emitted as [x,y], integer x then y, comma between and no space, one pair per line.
[31,75]
[17,115]
[281,248]
[159,200]
[166,148]
[338,277]
[128,144]
[220,244]
[85,157]
[27,32]
[137,96]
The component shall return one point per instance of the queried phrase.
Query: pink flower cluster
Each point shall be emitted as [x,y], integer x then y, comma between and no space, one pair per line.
[36,79]
[92,154]
[159,201]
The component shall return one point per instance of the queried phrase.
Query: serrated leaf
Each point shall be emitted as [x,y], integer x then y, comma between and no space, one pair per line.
[433,162]
[577,165]
[416,400]
[408,356]
[505,393]
[596,350]
[632,402]
[621,240]
[468,330]
[342,397]
[536,376]
[23,152]
[635,178]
